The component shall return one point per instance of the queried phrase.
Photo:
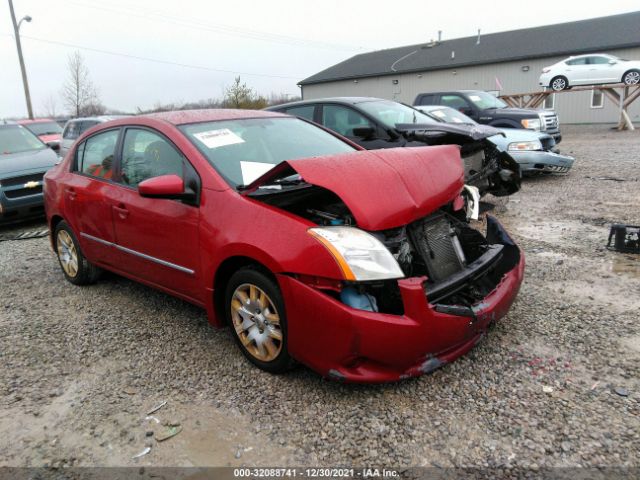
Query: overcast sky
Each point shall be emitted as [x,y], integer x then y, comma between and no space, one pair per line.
[271,44]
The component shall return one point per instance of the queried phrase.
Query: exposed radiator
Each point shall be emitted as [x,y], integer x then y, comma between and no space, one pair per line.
[436,242]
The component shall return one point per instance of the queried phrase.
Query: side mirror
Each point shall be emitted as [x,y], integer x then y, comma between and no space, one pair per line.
[364,132]
[612,62]
[466,110]
[55,146]
[164,186]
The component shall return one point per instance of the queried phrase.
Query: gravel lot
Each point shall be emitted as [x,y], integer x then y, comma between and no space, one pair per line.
[82,366]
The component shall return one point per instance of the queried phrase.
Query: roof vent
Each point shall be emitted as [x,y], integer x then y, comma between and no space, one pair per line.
[478,41]
[453,54]
[439,36]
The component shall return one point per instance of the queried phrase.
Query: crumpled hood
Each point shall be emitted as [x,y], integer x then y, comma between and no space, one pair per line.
[383,188]
[474,132]
[13,163]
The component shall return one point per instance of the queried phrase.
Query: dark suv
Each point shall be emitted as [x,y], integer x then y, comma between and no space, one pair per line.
[490,110]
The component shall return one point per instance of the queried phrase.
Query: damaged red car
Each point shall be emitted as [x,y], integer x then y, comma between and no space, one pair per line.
[360,264]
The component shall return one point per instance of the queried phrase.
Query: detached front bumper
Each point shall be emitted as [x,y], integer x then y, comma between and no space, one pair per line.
[361,346]
[543,162]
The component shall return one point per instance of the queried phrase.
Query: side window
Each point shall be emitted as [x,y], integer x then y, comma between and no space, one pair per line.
[343,119]
[95,154]
[577,61]
[146,154]
[454,101]
[71,131]
[598,60]
[304,111]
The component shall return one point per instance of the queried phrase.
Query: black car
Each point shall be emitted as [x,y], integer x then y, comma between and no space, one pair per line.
[489,110]
[24,159]
[375,123]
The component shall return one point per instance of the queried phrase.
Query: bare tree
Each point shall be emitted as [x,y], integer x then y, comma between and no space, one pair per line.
[239,95]
[78,92]
[50,106]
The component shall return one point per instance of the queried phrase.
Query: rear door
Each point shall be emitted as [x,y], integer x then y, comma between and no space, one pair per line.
[157,239]
[601,71]
[87,193]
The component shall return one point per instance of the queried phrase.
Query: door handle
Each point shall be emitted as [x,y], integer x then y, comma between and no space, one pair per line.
[121,210]
[71,193]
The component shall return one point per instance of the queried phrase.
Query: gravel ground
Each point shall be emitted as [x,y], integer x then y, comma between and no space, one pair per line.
[82,366]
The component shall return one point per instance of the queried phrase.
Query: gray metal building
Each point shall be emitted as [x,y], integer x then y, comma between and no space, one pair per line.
[502,63]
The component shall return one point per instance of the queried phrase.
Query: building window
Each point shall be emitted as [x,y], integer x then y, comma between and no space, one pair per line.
[550,102]
[597,99]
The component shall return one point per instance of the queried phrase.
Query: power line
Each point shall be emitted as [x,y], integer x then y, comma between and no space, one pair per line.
[155,60]
[218,28]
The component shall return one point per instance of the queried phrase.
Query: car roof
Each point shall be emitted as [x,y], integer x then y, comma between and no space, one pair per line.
[182,117]
[99,118]
[341,100]
[34,120]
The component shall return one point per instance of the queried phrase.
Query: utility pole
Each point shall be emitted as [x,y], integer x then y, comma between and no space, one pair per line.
[16,31]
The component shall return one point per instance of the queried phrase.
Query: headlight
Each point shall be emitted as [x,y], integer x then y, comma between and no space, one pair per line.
[360,255]
[531,123]
[520,146]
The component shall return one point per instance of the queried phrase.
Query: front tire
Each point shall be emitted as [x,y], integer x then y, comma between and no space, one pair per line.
[632,77]
[559,83]
[255,311]
[75,267]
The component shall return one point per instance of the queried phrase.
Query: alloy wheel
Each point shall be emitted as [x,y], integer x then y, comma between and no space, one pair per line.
[67,253]
[632,78]
[559,84]
[256,322]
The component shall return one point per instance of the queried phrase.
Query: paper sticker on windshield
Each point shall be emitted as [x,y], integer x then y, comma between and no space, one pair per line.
[253,170]
[218,138]
[438,113]
[475,98]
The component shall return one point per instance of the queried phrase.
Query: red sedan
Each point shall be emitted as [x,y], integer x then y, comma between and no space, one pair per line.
[360,264]
[46,130]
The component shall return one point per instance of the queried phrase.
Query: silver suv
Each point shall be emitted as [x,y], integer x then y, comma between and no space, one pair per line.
[76,127]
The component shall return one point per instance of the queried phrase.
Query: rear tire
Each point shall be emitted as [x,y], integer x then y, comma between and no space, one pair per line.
[632,77]
[255,311]
[559,83]
[75,267]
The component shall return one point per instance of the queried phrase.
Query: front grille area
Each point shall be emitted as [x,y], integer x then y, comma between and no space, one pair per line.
[434,240]
[21,180]
[550,121]
[22,192]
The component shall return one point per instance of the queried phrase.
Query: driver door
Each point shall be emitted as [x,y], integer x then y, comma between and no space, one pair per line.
[157,239]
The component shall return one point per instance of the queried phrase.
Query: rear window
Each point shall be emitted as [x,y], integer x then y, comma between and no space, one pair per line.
[426,100]
[17,139]
[71,131]
[44,128]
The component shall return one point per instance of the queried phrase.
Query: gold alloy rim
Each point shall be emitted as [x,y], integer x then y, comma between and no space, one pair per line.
[256,322]
[67,253]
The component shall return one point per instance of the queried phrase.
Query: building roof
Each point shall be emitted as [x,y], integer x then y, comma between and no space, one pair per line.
[584,36]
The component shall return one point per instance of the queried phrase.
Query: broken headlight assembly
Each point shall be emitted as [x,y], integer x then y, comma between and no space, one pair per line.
[360,255]
[525,146]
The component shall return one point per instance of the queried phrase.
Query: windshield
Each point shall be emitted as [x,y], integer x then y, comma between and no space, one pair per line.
[391,113]
[44,128]
[484,100]
[451,115]
[243,150]
[17,139]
